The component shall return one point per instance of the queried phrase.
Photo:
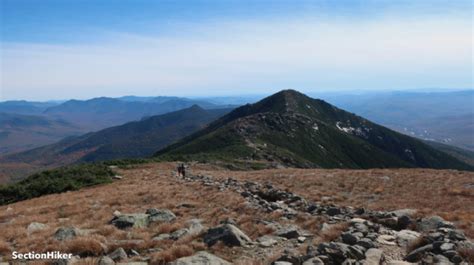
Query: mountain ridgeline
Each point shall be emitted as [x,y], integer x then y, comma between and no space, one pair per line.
[291,129]
[137,139]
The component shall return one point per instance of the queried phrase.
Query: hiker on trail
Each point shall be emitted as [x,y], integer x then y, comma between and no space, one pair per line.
[181,170]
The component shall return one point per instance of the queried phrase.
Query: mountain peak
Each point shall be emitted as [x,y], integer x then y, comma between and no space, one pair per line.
[296,130]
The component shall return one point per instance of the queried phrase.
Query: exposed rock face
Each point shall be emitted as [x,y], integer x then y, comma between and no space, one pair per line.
[200,258]
[228,234]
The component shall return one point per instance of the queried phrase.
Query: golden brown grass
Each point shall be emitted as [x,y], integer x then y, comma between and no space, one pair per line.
[440,192]
[172,253]
[447,193]
[334,232]
[85,246]
[147,186]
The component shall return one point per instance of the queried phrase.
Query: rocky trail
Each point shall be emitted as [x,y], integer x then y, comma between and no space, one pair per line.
[369,237]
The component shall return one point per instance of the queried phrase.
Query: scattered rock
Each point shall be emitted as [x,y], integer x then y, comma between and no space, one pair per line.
[366,243]
[406,237]
[65,233]
[137,220]
[404,212]
[289,231]
[228,234]
[313,261]
[200,258]
[105,260]
[349,238]
[179,234]
[160,215]
[195,227]
[432,223]
[35,227]
[373,256]
[161,237]
[118,254]
[333,211]
[386,240]
[267,241]
[282,263]
[417,254]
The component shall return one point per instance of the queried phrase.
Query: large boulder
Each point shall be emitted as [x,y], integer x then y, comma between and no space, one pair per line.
[160,215]
[200,258]
[137,220]
[228,234]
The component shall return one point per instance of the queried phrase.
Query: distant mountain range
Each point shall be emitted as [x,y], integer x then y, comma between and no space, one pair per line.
[131,140]
[446,117]
[288,129]
[20,132]
[291,129]
[99,113]
[25,125]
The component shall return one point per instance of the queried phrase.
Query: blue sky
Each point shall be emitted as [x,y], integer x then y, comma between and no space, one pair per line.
[87,48]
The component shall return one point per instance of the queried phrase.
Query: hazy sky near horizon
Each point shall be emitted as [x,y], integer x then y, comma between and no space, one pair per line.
[55,49]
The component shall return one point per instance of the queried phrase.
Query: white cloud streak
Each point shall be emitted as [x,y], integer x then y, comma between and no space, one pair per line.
[247,57]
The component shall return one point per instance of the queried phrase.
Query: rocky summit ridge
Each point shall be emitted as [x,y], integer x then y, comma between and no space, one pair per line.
[292,129]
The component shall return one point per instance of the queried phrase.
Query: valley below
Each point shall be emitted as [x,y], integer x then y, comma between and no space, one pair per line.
[272,216]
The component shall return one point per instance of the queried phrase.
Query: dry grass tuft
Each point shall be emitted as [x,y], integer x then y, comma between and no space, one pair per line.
[467,254]
[85,246]
[5,248]
[172,253]
[418,243]
[334,232]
